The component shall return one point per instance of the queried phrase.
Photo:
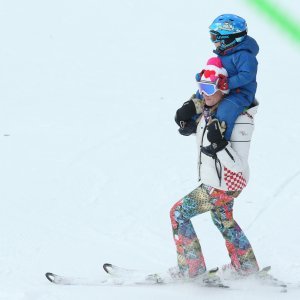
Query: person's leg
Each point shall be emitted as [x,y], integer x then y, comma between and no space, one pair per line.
[190,258]
[228,111]
[239,248]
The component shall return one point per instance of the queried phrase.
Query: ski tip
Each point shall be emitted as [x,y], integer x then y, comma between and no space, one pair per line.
[266,269]
[50,276]
[213,270]
[106,267]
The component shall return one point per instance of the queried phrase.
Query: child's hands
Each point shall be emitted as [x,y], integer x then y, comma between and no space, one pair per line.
[222,83]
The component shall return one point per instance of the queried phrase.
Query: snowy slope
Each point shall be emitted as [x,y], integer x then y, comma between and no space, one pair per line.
[91,160]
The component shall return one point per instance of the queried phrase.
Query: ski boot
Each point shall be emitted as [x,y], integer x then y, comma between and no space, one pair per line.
[211,279]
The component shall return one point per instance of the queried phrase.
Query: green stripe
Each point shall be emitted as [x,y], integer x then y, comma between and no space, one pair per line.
[279,16]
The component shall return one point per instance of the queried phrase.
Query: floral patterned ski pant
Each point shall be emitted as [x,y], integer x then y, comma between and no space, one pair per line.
[220,204]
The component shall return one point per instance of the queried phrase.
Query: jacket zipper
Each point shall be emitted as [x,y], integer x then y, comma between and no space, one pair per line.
[200,162]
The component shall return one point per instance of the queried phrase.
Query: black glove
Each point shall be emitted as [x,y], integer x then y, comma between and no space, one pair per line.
[188,128]
[185,113]
[215,136]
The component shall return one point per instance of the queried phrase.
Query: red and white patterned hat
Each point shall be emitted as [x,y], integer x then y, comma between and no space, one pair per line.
[213,68]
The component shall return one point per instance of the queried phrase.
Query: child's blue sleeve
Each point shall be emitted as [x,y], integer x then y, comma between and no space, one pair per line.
[246,65]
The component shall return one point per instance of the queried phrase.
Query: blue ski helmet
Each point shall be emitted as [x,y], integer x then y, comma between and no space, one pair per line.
[228,29]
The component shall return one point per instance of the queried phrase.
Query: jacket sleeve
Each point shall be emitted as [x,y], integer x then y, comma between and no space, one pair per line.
[235,155]
[246,65]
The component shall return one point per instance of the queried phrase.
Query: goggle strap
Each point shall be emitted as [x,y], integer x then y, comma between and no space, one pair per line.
[235,35]
[239,34]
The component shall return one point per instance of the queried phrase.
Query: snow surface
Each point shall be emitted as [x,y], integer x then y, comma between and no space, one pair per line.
[91,160]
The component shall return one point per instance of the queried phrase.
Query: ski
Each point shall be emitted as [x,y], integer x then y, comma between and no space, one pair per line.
[132,275]
[267,279]
[262,277]
[117,276]
[209,279]
[123,276]
[69,280]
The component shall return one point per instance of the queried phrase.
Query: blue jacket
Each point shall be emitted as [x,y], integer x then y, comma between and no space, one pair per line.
[241,65]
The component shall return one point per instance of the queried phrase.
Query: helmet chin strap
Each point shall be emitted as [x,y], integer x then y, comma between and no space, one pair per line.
[219,50]
[223,47]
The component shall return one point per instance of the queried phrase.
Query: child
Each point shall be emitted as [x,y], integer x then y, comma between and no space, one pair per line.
[237,52]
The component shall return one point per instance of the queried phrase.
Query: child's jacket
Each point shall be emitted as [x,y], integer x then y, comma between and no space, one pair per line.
[241,65]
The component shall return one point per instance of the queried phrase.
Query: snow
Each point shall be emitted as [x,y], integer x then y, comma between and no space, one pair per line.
[91,160]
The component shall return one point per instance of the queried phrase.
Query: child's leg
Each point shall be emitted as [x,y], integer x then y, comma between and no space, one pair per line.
[189,254]
[228,110]
[239,249]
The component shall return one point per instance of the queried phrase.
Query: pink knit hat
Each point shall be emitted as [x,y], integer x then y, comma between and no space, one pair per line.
[213,68]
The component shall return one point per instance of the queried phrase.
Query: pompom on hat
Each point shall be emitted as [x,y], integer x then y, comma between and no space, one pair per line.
[211,72]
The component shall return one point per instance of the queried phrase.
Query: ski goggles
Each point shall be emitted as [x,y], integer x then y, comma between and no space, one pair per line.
[208,88]
[215,36]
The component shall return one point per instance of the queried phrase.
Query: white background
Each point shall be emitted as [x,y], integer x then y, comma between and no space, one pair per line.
[90,157]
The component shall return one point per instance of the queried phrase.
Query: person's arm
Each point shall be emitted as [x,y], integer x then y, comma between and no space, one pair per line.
[246,64]
[187,115]
[185,112]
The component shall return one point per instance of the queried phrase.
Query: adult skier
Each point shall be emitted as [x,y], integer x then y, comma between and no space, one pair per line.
[223,174]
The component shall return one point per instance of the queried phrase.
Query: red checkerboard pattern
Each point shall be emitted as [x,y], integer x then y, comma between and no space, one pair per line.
[234,181]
